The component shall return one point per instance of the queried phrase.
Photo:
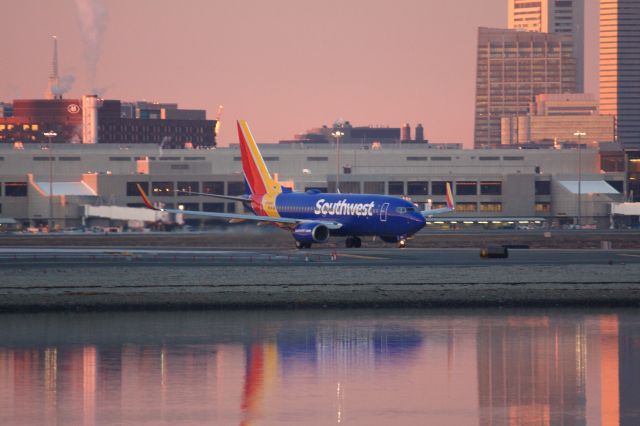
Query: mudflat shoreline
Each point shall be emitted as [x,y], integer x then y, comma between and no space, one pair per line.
[156,279]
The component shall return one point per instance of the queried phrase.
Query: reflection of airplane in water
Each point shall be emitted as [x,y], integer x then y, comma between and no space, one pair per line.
[325,348]
[313,216]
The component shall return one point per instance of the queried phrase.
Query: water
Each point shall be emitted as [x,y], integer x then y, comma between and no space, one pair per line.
[465,367]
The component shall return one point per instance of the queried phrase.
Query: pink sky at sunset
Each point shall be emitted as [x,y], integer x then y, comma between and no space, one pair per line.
[284,65]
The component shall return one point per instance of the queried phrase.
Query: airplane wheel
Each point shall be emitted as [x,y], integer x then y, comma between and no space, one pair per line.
[301,245]
[402,243]
[357,242]
[348,243]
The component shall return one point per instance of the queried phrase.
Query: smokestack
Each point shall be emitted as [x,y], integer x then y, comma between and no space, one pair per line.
[54,78]
[405,132]
[419,133]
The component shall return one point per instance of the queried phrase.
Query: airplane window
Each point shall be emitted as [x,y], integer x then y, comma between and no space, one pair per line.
[401,209]
[411,209]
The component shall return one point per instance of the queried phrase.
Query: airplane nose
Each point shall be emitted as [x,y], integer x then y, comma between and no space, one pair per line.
[419,221]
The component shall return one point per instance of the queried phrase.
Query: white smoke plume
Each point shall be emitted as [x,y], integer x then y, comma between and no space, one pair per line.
[93,23]
[64,85]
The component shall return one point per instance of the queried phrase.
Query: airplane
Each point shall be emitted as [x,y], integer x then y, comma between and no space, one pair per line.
[313,216]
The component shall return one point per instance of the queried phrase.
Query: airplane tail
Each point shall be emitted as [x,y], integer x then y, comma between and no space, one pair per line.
[451,205]
[256,174]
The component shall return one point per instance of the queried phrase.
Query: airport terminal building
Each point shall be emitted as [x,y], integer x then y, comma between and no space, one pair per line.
[96,184]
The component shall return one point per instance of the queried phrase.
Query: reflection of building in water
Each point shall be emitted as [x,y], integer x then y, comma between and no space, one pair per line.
[629,340]
[531,371]
[603,397]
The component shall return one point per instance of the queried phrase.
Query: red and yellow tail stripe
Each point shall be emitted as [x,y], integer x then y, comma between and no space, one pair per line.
[144,197]
[264,189]
[253,165]
[450,202]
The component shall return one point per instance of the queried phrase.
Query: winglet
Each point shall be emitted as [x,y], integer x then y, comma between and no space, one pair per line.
[144,198]
[450,202]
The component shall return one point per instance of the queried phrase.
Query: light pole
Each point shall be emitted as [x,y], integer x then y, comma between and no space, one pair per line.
[50,135]
[579,134]
[337,134]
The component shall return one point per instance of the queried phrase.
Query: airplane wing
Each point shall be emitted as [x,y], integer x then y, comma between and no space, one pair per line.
[225,197]
[238,216]
[429,213]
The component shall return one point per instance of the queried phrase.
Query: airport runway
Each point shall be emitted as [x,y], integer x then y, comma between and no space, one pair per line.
[375,257]
[125,278]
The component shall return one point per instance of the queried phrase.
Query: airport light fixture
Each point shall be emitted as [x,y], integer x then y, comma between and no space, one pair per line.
[337,134]
[50,135]
[579,134]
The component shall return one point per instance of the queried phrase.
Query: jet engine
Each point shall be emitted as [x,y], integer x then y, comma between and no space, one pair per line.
[308,233]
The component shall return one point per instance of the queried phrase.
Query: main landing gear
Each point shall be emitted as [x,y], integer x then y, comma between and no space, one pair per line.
[353,242]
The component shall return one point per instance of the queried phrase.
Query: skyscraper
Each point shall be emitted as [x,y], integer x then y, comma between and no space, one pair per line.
[620,67]
[513,67]
[553,16]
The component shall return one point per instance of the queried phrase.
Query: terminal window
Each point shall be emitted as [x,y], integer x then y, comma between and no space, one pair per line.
[491,188]
[374,188]
[466,207]
[543,187]
[490,207]
[188,187]
[162,189]
[132,188]
[350,187]
[236,188]
[543,207]
[466,188]
[418,188]
[213,207]
[213,187]
[439,187]
[15,189]
[396,188]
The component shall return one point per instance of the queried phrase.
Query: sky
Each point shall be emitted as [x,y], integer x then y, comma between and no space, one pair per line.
[283,65]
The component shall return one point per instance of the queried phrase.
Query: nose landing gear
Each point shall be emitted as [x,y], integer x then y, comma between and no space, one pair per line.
[402,243]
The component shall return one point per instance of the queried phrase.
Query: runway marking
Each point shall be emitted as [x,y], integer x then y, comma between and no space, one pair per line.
[359,256]
[630,255]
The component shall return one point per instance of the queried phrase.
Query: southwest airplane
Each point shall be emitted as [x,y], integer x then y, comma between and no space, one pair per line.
[313,216]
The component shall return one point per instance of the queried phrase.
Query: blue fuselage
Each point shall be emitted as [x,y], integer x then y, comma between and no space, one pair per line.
[366,214]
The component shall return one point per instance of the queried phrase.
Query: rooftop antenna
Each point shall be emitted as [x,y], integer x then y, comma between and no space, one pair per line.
[54,78]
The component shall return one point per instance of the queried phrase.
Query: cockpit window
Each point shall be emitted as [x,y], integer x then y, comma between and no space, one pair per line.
[401,209]
[411,209]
